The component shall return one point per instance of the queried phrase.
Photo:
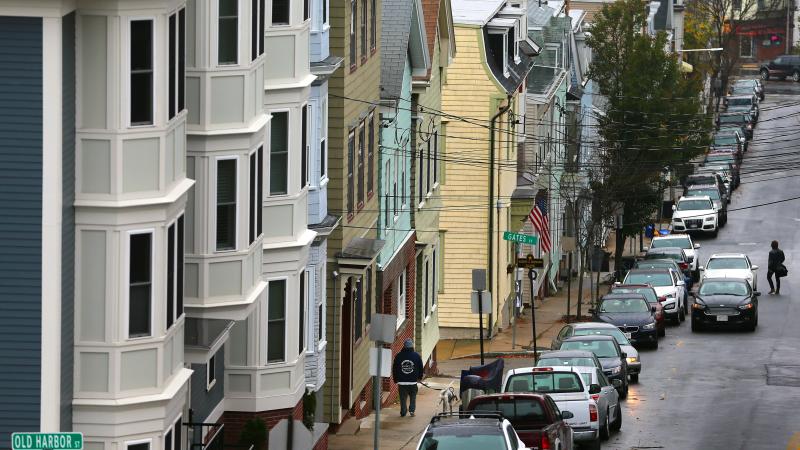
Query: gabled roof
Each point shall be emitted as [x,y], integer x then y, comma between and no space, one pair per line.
[475,12]
[438,23]
[402,35]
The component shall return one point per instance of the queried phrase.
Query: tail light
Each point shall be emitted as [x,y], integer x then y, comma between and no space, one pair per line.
[595,397]
[592,412]
[545,443]
[683,265]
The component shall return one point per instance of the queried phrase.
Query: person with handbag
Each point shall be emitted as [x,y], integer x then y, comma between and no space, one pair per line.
[775,266]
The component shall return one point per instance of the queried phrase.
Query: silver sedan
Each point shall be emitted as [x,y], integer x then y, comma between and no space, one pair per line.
[607,399]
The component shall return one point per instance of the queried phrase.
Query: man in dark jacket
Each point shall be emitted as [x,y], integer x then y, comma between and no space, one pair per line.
[776,259]
[407,371]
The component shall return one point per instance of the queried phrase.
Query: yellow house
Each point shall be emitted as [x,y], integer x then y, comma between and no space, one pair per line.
[481,98]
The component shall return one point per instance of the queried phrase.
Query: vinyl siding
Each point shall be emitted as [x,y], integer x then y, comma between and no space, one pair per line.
[204,401]
[20,223]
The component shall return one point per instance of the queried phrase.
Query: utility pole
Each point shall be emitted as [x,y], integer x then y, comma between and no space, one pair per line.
[789,8]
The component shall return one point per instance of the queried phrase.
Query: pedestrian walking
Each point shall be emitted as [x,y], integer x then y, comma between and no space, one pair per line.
[775,267]
[407,371]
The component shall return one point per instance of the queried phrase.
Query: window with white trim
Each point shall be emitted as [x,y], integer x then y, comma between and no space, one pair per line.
[353,18]
[434,273]
[226,203]
[138,445]
[177,62]
[426,288]
[324,13]
[256,193]
[435,157]
[370,154]
[746,46]
[279,153]
[420,176]
[301,332]
[387,200]
[175,271]
[280,12]
[351,160]
[276,321]
[228,32]
[303,146]
[211,372]
[174,436]
[140,284]
[498,46]
[323,145]
[429,174]
[400,289]
[141,72]
[358,309]
[257,14]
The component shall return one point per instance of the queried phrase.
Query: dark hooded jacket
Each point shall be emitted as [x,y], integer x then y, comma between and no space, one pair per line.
[776,258]
[407,367]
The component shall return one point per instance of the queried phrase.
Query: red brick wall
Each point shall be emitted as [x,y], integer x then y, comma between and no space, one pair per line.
[234,420]
[364,398]
[322,443]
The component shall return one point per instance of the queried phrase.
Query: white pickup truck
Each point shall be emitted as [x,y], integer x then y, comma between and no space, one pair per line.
[566,389]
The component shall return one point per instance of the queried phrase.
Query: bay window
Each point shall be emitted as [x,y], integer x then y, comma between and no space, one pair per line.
[276,321]
[141,72]
[228,32]
[226,204]
[140,284]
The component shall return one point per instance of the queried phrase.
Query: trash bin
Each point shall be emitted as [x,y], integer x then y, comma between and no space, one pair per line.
[650,230]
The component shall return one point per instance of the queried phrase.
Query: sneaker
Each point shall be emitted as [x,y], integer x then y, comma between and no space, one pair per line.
[771,291]
[412,414]
[402,415]
[778,292]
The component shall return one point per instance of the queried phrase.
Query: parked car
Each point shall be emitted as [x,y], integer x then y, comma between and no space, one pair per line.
[631,314]
[610,354]
[712,191]
[707,179]
[730,265]
[781,67]
[595,329]
[470,431]
[607,400]
[567,358]
[747,85]
[695,214]
[652,298]
[725,159]
[668,284]
[746,103]
[741,131]
[722,137]
[737,118]
[722,176]
[566,389]
[676,254]
[683,241]
[535,417]
[725,302]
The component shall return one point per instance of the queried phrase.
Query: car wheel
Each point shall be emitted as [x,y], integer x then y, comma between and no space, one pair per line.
[696,327]
[715,233]
[624,391]
[795,76]
[662,332]
[605,433]
[681,316]
[634,377]
[617,423]
[654,345]
[764,74]
[696,275]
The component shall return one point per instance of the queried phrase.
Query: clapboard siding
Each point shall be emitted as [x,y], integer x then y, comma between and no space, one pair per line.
[67,217]
[20,223]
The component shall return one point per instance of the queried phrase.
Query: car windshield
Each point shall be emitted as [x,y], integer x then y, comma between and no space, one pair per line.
[711,192]
[741,101]
[742,90]
[519,411]
[723,288]
[728,139]
[726,263]
[745,83]
[549,382]
[563,361]
[693,205]
[628,305]
[734,118]
[464,438]
[601,349]
[677,241]
[613,332]
[653,279]
[648,293]
[664,255]
[716,158]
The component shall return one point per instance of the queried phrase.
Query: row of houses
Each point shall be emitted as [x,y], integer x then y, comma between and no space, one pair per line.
[206,201]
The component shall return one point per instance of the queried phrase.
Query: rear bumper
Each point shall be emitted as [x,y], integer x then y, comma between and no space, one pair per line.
[585,434]
[644,337]
[634,368]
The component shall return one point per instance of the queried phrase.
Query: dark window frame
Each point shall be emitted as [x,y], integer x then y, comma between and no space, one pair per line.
[370,155]
[358,310]
[353,48]
[146,256]
[143,95]
[279,158]
[256,189]
[301,344]
[304,146]
[232,233]
[361,176]
[285,16]
[373,26]
[234,50]
[175,261]
[363,31]
[351,148]
[275,321]
[211,372]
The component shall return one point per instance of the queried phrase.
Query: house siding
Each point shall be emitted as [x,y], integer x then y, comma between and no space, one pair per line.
[204,401]
[21,223]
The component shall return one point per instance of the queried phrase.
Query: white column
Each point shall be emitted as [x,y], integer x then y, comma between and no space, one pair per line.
[50,417]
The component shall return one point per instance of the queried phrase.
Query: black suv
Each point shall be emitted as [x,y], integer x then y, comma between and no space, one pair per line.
[781,67]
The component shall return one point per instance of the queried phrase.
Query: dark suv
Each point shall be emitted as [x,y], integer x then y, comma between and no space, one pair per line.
[781,67]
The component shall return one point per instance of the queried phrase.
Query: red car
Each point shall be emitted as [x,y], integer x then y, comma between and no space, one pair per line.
[651,297]
[535,418]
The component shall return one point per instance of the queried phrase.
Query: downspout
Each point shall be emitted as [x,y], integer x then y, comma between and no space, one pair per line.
[336,301]
[500,112]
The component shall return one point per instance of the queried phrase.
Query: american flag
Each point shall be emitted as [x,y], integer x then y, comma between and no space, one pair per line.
[540,222]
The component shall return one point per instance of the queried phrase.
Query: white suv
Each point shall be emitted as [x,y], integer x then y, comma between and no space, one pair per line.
[685,242]
[693,214]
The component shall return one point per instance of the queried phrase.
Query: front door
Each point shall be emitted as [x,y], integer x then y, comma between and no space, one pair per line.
[345,361]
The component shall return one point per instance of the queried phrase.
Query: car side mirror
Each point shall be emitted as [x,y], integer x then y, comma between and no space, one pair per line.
[696,246]
[701,268]
[624,355]
[567,415]
[617,383]
[755,267]
[594,388]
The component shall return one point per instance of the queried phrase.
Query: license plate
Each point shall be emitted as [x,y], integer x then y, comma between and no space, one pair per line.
[627,335]
[693,226]
[722,318]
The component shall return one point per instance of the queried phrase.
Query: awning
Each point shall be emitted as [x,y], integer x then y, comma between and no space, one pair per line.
[686,67]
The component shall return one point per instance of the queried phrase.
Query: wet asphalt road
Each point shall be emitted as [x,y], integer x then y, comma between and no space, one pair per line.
[711,390]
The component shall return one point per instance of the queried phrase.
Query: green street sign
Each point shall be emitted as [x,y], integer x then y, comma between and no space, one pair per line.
[520,238]
[47,441]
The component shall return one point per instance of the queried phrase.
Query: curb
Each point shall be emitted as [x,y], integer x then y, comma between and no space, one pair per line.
[506,354]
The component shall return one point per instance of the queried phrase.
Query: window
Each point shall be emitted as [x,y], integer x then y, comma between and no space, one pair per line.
[403,186]
[211,372]
[174,271]
[394,196]
[279,154]
[257,14]
[141,94]
[371,154]
[280,12]
[323,159]
[428,177]
[401,298]
[256,193]
[138,445]
[306,10]
[226,204]
[360,180]
[426,287]
[435,157]
[320,322]
[363,30]
[746,46]
[351,149]
[498,46]
[373,24]
[368,296]
[304,147]
[177,62]
[140,285]
[435,283]
[353,18]
[276,321]
[301,332]
[420,174]
[228,32]
[324,12]
[172,438]
[358,312]
[387,209]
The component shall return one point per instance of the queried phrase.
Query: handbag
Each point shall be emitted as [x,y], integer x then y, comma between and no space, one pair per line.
[781,271]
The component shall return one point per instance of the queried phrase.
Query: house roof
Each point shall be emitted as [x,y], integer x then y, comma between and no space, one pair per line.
[540,16]
[475,12]
[591,8]
[402,35]
[430,9]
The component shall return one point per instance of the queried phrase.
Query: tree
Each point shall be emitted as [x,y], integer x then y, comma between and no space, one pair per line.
[652,123]
[255,433]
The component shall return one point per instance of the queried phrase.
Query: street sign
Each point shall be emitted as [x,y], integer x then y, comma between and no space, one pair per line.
[529,262]
[385,362]
[382,327]
[486,302]
[47,441]
[521,238]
